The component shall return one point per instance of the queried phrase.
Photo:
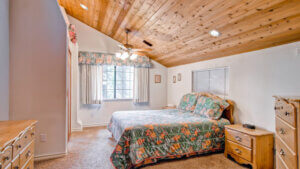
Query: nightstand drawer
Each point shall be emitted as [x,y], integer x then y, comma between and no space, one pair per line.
[289,158]
[239,150]
[286,133]
[238,137]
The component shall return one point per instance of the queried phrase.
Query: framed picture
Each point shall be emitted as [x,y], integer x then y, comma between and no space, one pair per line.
[174,79]
[157,78]
[179,76]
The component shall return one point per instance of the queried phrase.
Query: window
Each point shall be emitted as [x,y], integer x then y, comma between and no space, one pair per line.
[211,80]
[117,82]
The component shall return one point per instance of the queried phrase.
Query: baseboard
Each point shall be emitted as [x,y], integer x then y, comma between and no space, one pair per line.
[49,156]
[95,125]
[78,129]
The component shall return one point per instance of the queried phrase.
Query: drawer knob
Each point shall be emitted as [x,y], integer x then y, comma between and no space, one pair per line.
[281,152]
[32,134]
[16,167]
[282,131]
[287,113]
[238,151]
[19,146]
[238,138]
[28,154]
[6,158]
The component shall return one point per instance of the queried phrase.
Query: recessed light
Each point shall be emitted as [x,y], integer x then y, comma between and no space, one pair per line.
[214,33]
[84,7]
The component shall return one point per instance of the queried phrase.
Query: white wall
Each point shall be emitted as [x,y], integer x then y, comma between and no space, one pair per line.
[38,39]
[90,39]
[254,78]
[4,60]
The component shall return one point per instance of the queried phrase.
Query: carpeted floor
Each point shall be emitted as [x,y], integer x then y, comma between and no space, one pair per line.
[91,149]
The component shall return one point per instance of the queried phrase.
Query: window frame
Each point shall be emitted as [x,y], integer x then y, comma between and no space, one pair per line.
[209,70]
[115,87]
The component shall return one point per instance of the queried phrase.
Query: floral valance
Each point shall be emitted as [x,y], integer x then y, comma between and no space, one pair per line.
[92,58]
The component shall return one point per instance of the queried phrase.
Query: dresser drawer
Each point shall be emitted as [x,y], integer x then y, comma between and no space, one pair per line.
[8,166]
[286,111]
[30,164]
[239,150]
[289,158]
[17,147]
[15,164]
[27,153]
[286,133]
[238,137]
[279,163]
[6,156]
[26,138]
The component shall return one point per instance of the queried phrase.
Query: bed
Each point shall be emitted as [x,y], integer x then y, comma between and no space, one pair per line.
[147,136]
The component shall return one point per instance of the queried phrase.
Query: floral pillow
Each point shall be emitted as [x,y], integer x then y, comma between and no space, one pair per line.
[210,107]
[188,102]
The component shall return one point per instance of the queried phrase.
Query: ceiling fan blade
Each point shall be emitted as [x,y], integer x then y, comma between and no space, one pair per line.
[140,53]
[142,50]
[122,47]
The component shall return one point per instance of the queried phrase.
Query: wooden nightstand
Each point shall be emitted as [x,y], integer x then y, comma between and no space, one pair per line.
[246,146]
[169,107]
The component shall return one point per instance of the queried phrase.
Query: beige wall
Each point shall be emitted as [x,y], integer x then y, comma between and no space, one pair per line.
[38,70]
[254,78]
[90,39]
[4,59]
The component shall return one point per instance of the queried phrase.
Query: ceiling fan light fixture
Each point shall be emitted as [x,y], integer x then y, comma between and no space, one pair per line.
[133,56]
[118,55]
[125,55]
[214,33]
[84,7]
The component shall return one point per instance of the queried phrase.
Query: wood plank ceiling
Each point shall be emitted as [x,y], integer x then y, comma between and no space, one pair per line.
[179,29]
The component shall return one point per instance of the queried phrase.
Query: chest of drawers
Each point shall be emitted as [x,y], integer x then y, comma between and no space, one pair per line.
[246,146]
[287,121]
[17,144]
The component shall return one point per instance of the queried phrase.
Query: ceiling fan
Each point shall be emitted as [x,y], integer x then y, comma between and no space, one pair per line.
[129,51]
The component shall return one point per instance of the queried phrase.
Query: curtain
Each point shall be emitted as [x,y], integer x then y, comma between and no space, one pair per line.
[141,85]
[91,84]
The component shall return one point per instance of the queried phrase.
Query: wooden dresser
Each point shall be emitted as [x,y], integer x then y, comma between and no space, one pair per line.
[287,119]
[246,146]
[17,144]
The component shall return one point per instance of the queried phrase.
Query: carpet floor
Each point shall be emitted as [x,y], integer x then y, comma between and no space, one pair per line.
[91,149]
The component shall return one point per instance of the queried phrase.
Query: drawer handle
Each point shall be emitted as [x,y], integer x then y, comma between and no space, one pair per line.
[238,151]
[287,113]
[28,154]
[16,167]
[6,158]
[238,138]
[278,108]
[282,131]
[281,152]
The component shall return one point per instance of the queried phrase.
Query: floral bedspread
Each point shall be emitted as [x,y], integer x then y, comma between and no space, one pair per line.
[147,136]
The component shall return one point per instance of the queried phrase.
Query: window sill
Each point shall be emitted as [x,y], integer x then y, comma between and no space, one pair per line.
[116,100]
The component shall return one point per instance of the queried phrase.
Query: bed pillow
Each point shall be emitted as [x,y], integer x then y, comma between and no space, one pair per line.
[211,108]
[188,102]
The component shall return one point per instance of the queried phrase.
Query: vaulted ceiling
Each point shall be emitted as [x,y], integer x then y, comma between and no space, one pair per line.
[179,29]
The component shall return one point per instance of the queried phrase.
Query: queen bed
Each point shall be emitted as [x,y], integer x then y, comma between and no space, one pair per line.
[147,136]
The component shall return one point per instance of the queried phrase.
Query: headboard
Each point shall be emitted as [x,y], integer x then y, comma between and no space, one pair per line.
[228,112]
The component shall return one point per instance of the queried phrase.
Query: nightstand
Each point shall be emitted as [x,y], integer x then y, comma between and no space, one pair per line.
[169,107]
[247,146]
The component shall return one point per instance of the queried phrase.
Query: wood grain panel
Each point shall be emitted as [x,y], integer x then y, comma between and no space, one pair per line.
[179,29]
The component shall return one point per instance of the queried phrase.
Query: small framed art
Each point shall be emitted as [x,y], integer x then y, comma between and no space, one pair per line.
[157,78]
